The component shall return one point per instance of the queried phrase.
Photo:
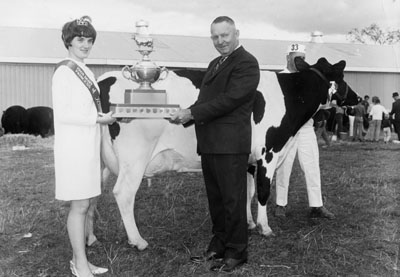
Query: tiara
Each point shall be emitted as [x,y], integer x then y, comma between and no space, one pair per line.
[84,20]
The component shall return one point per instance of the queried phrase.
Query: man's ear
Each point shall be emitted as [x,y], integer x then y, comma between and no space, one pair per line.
[301,64]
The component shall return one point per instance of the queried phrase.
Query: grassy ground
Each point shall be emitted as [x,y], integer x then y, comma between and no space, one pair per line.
[360,185]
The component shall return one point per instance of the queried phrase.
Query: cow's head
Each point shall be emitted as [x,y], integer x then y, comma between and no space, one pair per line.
[344,93]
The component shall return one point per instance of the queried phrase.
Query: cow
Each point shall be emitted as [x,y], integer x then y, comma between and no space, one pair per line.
[139,147]
[14,120]
[40,121]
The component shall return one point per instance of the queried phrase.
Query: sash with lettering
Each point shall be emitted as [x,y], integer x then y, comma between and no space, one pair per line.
[85,80]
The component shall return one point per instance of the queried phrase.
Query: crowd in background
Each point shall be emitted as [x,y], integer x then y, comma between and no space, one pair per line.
[364,122]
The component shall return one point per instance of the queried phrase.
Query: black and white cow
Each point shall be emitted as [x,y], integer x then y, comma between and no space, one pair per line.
[14,120]
[144,147]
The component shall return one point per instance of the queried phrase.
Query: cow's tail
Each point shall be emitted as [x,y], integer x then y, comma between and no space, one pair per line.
[258,107]
[108,156]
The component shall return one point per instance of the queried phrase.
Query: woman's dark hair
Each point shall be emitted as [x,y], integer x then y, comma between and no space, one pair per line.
[81,27]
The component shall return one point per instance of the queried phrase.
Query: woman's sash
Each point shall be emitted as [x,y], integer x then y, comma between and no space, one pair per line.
[85,80]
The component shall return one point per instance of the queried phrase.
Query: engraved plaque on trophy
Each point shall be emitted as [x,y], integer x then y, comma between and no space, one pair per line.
[144,101]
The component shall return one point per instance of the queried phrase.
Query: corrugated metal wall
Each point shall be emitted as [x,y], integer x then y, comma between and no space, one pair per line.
[24,84]
[29,85]
[375,84]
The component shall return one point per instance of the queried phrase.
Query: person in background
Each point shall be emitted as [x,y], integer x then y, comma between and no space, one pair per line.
[338,125]
[222,118]
[320,122]
[305,145]
[359,114]
[386,127]
[366,105]
[376,118]
[77,121]
[395,113]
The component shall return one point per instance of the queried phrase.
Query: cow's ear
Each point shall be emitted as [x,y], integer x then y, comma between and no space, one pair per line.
[322,60]
[301,64]
[340,66]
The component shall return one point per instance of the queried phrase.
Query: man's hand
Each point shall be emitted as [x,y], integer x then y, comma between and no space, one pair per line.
[181,117]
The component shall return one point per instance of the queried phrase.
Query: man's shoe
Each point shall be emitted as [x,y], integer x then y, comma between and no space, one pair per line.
[207,256]
[228,265]
[321,212]
[280,211]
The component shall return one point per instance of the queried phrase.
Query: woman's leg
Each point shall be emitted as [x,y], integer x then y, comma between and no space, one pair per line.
[76,231]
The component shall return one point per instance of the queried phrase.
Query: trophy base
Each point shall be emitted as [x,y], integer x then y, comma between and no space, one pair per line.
[143,110]
[145,96]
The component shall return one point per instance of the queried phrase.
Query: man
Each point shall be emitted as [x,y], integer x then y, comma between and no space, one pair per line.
[395,113]
[221,116]
[305,145]
[339,114]
[359,115]
[365,103]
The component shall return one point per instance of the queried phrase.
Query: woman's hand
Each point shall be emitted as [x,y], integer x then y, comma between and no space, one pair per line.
[105,118]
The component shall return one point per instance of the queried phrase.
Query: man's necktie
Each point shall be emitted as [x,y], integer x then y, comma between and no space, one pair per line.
[220,61]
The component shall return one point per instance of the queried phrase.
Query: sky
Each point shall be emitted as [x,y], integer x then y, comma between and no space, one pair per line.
[256,19]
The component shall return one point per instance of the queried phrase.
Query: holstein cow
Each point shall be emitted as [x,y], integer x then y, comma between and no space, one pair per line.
[14,120]
[143,147]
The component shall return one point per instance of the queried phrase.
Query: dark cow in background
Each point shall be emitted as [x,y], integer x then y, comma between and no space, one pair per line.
[40,121]
[144,147]
[14,120]
[34,121]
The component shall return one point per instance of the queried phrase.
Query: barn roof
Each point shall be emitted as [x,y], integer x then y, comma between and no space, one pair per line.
[39,45]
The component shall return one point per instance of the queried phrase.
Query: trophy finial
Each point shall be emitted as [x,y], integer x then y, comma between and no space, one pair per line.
[143,39]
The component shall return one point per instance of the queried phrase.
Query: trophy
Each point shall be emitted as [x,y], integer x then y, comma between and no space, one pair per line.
[145,101]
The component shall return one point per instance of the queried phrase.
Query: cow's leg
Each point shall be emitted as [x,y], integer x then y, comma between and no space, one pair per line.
[262,221]
[265,171]
[125,189]
[250,194]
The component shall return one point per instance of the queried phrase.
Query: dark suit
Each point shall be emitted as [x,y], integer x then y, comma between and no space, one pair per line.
[396,112]
[223,129]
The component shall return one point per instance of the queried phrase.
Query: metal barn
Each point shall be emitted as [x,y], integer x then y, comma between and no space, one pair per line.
[28,57]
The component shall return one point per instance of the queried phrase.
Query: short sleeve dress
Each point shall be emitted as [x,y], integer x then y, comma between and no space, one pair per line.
[77,136]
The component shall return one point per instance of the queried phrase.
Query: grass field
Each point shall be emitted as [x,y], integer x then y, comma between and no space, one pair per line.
[361,185]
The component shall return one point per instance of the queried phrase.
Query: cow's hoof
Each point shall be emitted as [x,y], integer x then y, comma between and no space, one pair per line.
[266,232]
[140,245]
[251,225]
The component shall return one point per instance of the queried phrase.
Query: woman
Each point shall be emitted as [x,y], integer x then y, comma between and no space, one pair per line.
[375,114]
[77,122]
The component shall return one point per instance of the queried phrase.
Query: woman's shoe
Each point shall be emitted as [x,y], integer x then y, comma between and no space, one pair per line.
[74,271]
[97,270]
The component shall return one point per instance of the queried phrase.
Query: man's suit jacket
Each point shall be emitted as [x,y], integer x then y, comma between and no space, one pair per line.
[396,110]
[222,112]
